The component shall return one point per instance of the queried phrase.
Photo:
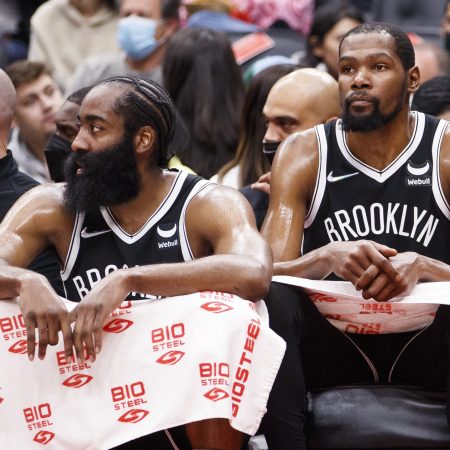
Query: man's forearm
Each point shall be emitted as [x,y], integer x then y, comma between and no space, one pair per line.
[10,280]
[244,276]
[433,270]
[315,265]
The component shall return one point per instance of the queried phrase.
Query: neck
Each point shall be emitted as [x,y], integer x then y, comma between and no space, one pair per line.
[36,145]
[149,63]
[380,147]
[155,185]
[87,8]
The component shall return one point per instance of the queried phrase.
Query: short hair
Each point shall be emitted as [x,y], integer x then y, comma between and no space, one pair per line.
[146,103]
[433,96]
[403,45]
[170,9]
[78,96]
[24,72]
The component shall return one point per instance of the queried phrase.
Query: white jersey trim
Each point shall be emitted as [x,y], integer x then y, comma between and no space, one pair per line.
[437,187]
[382,175]
[184,239]
[321,179]
[74,247]
[163,208]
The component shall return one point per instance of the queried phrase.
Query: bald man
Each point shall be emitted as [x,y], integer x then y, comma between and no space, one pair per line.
[14,183]
[298,101]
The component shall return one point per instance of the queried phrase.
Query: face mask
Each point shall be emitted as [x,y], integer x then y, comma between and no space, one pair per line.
[136,36]
[56,152]
[269,149]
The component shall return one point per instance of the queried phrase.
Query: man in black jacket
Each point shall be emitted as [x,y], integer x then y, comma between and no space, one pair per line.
[14,183]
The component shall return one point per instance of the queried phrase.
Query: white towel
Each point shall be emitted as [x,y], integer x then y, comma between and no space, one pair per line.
[345,308]
[163,363]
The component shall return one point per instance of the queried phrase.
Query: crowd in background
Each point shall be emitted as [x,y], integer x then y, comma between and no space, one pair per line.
[218,60]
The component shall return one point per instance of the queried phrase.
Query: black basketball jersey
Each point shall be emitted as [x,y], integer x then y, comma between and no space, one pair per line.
[401,206]
[99,245]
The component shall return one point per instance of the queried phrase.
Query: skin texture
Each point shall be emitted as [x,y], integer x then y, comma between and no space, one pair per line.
[230,254]
[297,102]
[369,65]
[37,104]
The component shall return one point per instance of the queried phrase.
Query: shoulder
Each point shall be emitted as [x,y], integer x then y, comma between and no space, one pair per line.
[49,11]
[43,204]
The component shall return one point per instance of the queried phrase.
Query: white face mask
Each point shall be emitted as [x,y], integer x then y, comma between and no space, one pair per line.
[136,36]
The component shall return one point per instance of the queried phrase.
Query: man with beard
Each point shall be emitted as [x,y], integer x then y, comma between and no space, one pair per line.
[127,229]
[364,199]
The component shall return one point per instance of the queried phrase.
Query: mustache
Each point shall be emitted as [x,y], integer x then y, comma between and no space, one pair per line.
[364,96]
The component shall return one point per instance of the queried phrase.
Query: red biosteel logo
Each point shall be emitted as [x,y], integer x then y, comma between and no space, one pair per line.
[117,325]
[44,437]
[133,416]
[216,307]
[170,358]
[77,381]
[20,347]
[216,394]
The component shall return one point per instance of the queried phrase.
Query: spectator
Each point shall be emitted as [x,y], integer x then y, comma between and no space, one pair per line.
[250,163]
[299,100]
[38,99]
[65,32]
[145,27]
[330,24]
[58,147]
[431,60]
[433,97]
[14,183]
[202,77]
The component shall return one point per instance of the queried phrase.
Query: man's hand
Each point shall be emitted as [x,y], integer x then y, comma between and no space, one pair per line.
[383,288]
[263,183]
[351,260]
[91,313]
[43,309]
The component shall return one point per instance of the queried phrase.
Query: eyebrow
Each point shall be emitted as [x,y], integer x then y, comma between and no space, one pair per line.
[92,118]
[369,56]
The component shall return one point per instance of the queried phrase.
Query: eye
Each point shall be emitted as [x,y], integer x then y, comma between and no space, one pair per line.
[346,69]
[95,128]
[379,67]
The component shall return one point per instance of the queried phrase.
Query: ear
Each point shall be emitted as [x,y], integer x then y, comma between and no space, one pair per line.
[414,79]
[144,139]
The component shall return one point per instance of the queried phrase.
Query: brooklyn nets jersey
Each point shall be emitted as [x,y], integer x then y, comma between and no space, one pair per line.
[402,206]
[99,245]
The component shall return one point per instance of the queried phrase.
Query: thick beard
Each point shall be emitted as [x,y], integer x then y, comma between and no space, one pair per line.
[373,121]
[109,178]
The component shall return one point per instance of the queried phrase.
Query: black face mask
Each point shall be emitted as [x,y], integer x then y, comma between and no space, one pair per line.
[56,152]
[269,149]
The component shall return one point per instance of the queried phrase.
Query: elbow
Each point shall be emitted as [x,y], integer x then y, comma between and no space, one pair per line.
[258,283]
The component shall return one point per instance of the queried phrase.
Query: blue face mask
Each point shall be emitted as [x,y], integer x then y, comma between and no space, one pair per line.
[136,36]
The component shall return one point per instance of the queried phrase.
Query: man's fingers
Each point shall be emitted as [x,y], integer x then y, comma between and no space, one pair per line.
[264,187]
[53,329]
[77,337]
[30,324]
[367,277]
[87,334]
[377,285]
[68,340]
[386,251]
[98,332]
[42,325]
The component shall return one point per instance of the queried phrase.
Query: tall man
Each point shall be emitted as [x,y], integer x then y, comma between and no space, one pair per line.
[177,233]
[364,198]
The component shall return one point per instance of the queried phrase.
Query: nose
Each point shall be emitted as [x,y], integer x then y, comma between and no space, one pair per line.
[361,79]
[272,133]
[79,144]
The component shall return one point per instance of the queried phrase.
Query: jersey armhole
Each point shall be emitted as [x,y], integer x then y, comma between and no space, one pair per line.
[184,240]
[437,187]
[321,179]
[74,247]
